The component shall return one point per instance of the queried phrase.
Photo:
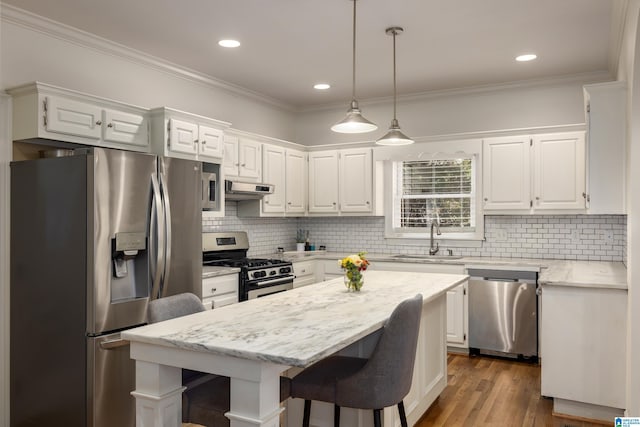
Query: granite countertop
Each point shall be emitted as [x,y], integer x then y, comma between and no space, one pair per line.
[208,272]
[594,274]
[297,327]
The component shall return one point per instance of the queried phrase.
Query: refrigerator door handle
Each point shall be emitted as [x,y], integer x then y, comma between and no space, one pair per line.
[167,254]
[157,232]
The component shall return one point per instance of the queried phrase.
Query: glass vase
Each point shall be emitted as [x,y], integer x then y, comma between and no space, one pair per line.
[353,280]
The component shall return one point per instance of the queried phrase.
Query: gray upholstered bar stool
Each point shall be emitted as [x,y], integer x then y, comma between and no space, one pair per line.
[206,397]
[375,383]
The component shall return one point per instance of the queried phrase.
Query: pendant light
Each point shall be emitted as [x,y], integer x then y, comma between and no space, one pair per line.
[354,122]
[394,136]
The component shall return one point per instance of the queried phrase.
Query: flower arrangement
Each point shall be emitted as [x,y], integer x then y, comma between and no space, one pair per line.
[354,265]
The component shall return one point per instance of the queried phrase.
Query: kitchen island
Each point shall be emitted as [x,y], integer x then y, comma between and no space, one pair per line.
[256,341]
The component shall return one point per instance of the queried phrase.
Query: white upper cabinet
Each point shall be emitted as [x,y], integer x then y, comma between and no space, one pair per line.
[538,173]
[71,117]
[211,142]
[559,175]
[507,181]
[296,181]
[242,157]
[43,111]
[356,180]
[189,136]
[286,170]
[606,112]
[125,128]
[341,181]
[323,182]
[274,172]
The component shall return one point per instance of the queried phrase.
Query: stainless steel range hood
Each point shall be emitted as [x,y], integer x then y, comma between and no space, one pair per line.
[238,190]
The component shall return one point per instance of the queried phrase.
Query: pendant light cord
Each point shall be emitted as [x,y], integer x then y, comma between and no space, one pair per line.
[353,78]
[394,75]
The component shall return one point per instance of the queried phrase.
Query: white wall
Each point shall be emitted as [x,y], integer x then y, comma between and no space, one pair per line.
[480,110]
[89,65]
[628,71]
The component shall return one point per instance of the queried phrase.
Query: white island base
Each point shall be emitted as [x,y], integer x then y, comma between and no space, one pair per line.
[255,342]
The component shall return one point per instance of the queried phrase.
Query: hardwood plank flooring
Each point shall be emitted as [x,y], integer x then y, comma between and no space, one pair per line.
[490,392]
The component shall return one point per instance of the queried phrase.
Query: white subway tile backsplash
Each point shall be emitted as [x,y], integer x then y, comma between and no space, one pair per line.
[575,237]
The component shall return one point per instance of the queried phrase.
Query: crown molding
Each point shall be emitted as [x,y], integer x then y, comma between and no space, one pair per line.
[51,28]
[619,10]
[583,78]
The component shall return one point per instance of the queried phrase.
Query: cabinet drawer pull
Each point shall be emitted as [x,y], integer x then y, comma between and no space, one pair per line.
[99,123]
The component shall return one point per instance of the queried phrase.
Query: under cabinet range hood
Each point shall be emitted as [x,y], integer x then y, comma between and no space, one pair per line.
[238,190]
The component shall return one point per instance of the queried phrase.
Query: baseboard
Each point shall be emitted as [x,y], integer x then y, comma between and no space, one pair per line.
[585,412]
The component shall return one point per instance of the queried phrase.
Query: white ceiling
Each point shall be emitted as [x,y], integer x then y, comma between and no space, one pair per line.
[288,45]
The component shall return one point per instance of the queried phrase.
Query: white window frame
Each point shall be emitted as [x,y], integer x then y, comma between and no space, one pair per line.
[428,151]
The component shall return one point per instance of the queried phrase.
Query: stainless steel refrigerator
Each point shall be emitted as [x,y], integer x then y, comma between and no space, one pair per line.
[94,237]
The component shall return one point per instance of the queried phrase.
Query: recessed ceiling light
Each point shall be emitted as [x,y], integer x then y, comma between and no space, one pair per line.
[229,43]
[322,86]
[526,57]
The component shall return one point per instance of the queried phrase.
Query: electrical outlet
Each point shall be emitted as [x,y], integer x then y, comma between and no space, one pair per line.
[575,236]
[501,235]
[607,236]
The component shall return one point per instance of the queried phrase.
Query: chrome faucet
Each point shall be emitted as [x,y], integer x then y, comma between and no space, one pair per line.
[434,249]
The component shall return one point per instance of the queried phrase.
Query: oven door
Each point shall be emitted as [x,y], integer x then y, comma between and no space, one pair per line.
[268,287]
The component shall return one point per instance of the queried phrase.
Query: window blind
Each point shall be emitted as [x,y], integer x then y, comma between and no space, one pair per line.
[441,190]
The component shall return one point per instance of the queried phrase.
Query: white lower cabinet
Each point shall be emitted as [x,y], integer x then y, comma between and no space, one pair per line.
[457,318]
[305,273]
[583,334]
[219,291]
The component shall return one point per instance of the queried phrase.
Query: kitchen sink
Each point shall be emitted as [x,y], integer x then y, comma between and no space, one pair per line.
[428,257]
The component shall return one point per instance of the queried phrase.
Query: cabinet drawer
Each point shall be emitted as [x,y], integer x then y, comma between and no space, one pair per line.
[213,286]
[304,268]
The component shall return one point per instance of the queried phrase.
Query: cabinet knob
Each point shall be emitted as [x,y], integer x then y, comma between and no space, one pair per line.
[486,199]
[266,202]
[110,125]
[537,198]
[334,203]
[213,290]
[289,203]
[368,202]
[99,123]
[195,140]
[204,142]
[244,164]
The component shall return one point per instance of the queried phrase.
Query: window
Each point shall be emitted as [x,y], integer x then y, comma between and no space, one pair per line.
[442,190]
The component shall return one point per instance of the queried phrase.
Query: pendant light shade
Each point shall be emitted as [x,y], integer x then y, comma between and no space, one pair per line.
[354,122]
[395,135]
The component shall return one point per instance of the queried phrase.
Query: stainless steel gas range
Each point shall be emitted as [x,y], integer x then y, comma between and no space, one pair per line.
[259,277]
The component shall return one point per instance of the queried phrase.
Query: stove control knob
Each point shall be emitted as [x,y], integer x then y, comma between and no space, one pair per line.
[272,273]
[284,270]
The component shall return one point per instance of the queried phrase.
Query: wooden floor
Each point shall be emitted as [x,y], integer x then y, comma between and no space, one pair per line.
[487,391]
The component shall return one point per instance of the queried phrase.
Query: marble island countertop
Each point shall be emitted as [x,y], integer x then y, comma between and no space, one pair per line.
[298,327]
[594,274]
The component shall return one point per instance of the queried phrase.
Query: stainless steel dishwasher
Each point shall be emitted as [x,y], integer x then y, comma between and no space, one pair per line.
[503,313]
